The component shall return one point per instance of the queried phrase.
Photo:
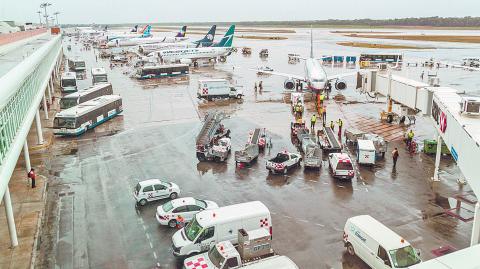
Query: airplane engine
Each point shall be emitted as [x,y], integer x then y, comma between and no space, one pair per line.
[289,84]
[186,61]
[340,85]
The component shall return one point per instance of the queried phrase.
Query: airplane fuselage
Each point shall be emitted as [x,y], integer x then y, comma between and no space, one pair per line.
[175,55]
[143,40]
[315,75]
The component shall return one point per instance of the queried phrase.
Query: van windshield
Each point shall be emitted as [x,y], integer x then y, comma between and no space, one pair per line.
[193,229]
[64,123]
[68,82]
[344,166]
[404,257]
[67,103]
[215,257]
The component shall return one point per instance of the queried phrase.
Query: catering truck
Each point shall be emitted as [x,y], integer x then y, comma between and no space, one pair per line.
[218,88]
[209,227]
[254,251]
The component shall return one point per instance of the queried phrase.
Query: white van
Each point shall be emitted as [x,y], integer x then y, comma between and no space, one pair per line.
[68,82]
[340,165]
[99,75]
[377,245]
[218,88]
[209,227]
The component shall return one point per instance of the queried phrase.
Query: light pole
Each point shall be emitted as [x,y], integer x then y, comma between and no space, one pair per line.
[56,16]
[40,17]
[44,6]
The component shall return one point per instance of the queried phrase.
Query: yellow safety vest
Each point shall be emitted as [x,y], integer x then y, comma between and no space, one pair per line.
[314,118]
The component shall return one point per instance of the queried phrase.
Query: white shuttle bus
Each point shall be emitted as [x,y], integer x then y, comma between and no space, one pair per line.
[68,82]
[99,75]
[377,245]
[73,99]
[222,224]
[78,119]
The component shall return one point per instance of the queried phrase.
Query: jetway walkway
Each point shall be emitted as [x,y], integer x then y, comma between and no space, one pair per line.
[459,131]
[24,86]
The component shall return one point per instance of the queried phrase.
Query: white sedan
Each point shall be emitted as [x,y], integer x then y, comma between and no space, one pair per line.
[154,189]
[187,207]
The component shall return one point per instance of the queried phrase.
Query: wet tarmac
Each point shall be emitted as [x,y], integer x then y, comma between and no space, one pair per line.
[92,220]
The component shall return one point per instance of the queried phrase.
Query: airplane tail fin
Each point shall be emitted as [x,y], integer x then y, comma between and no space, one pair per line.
[182,32]
[311,43]
[227,40]
[134,29]
[208,39]
[146,31]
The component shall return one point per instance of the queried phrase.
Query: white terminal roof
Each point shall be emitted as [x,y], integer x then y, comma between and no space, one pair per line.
[87,106]
[388,238]
[88,90]
[451,101]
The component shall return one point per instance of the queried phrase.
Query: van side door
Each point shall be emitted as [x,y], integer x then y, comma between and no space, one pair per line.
[149,193]
[206,239]
[383,260]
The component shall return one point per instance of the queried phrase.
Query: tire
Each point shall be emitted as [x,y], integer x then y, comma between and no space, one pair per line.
[142,202]
[172,223]
[350,249]
[173,195]
[389,118]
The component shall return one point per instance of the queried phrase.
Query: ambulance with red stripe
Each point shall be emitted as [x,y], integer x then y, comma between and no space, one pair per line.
[341,165]
[210,227]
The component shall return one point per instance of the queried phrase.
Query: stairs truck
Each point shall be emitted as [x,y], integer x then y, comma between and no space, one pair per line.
[213,142]
[254,251]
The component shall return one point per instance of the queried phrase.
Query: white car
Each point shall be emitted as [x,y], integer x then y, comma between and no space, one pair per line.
[341,166]
[185,207]
[155,189]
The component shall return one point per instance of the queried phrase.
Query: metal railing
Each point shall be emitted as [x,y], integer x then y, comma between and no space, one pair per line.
[21,92]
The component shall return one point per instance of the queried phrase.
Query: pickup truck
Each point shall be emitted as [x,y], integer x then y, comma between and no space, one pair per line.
[252,252]
[282,162]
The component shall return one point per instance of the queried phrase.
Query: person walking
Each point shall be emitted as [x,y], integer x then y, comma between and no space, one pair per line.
[332,125]
[313,120]
[421,75]
[31,175]
[324,114]
[395,157]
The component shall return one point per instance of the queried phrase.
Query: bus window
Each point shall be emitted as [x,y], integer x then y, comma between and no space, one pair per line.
[67,103]
[65,122]
[69,83]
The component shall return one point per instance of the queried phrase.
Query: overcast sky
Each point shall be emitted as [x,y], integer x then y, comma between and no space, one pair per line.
[127,11]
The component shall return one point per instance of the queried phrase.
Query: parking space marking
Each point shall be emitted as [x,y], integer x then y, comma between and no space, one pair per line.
[155,255]
[148,236]
[150,243]
[321,225]
[303,220]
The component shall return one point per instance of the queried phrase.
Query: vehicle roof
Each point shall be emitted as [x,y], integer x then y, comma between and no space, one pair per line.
[340,156]
[384,236]
[365,144]
[277,262]
[183,201]
[458,259]
[88,90]
[231,212]
[69,75]
[226,248]
[149,181]
[98,71]
[87,106]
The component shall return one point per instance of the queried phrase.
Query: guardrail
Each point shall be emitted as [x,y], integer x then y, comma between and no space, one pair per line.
[22,91]
[13,37]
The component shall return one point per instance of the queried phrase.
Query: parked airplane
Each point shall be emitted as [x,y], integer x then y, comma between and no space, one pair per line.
[315,76]
[154,49]
[148,40]
[192,55]
[143,34]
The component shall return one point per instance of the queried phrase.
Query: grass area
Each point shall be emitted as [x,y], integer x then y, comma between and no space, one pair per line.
[262,37]
[379,46]
[435,38]
[239,30]
[361,32]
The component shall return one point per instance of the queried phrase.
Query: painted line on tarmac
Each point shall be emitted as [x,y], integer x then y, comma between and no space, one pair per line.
[366,189]
[303,220]
[150,243]
[148,236]
[155,255]
[340,186]
[321,225]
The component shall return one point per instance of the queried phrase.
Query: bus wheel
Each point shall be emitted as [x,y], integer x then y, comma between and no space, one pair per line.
[350,249]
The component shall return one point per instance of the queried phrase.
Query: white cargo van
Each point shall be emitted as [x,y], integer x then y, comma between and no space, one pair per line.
[377,245]
[212,226]
[99,75]
[365,152]
[218,88]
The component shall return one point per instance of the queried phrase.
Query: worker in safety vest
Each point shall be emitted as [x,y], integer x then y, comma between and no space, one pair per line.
[322,97]
[313,120]
[340,125]
[332,125]
[324,115]
[410,136]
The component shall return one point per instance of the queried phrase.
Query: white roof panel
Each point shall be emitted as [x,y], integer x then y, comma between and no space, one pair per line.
[228,213]
[87,106]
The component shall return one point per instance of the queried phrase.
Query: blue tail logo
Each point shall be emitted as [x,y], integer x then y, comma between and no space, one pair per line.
[182,32]
[207,41]
[227,40]
[146,31]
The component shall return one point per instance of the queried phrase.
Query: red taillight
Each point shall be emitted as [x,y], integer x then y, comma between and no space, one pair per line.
[271,232]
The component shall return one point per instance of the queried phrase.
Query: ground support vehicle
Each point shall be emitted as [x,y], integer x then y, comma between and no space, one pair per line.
[210,89]
[340,165]
[213,142]
[329,141]
[380,144]
[352,135]
[312,156]
[254,251]
[297,127]
[365,152]
[282,162]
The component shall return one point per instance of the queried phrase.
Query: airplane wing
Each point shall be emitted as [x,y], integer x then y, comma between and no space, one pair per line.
[339,76]
[289,76]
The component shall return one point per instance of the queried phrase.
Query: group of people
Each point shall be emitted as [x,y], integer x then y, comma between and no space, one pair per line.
[259,87]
